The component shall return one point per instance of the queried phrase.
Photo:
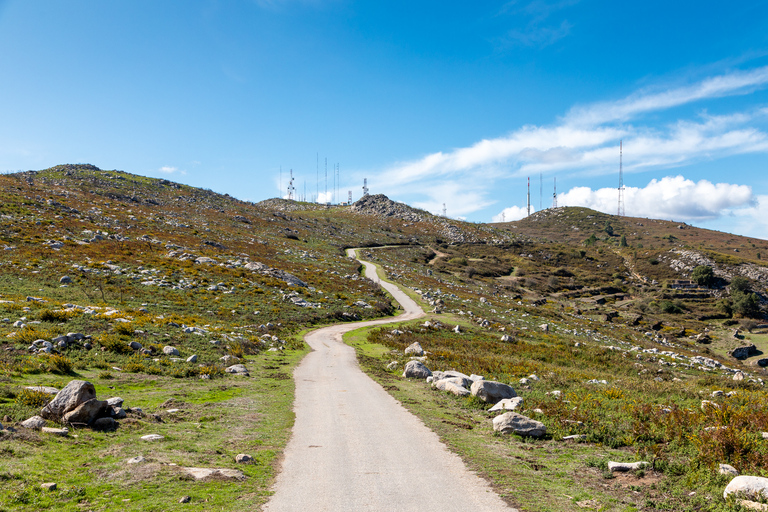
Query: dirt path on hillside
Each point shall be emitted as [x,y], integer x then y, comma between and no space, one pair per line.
[355,448]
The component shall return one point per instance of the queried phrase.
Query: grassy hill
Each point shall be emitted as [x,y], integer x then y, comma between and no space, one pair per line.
[122,258]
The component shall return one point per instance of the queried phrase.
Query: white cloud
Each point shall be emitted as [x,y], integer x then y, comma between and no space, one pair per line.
[512,213]
[324,197]
[170,170]
[672,197]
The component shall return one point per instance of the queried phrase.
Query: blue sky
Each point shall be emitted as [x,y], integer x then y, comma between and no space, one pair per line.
[432,102]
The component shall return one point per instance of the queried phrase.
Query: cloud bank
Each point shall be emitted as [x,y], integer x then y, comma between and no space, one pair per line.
[584,142]
[672,197]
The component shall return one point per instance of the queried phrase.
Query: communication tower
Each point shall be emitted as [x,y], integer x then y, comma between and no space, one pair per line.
[621,179]
[554,195]
[529,196]
[444,214]
[349,200]
[365,187]
[291,188]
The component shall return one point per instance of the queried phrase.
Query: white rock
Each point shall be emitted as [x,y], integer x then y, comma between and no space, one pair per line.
[511,422]
[242,458]
[490,391]
[727,469]
[417,370]
[152,437]
[201,473]
[34,423]
[192,358]
[170,351]
[136,460]
[508,404]
[750,487]
[626,466]
[414,349]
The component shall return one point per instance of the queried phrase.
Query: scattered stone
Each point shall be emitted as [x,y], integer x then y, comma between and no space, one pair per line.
[416,370]
[48,390]
[63,432]
[574,437]
[136,460]
[152,437]
[512,422]
[738,376]
[626,466]
[115,401]
[457,330]
[508,404]
[544,327]
[727,469]
[414,349]
[751,487]
[490,391]
[243,458]
[135,345]
[68,399]
[65,280]
[392,366]
[237,369]
[192,358]
[34,423]
[201,473]
[49,486]
[506,338]
[185,499]
[171,351]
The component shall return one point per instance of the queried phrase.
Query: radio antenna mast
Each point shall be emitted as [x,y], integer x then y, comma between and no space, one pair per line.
[621,179]
[529,196]
[554,195]
[365,187]
[291,188]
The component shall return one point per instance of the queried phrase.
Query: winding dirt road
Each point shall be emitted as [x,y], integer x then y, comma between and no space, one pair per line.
[355,448]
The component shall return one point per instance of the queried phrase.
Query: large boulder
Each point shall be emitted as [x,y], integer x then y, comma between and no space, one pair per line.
[459,381]
[750,487]
[490,391]
[85,413]
[416,370]
[414,349]
[511,422]
[68,399]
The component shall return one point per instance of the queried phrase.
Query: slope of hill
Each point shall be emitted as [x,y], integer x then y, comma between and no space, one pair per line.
[136,276]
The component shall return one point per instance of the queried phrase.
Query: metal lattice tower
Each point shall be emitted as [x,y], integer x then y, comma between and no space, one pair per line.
[291,188]
[365,187]
[444,213]
[554,196]
[349,200]
[529,197]
[621,179]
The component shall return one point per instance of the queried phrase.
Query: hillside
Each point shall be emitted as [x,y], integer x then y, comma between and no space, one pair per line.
[155,291]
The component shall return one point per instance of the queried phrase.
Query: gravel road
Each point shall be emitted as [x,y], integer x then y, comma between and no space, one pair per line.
[355,448]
